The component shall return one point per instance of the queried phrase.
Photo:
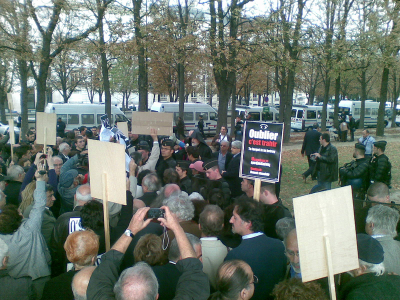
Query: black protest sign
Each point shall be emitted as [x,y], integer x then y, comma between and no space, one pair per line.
[261,151]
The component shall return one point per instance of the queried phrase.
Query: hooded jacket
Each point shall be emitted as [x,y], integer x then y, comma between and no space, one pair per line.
[204,150]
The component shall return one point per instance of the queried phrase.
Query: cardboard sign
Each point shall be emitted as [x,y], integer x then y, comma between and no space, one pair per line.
[11,131]
[261,151]
[123,126]
[10,102]
[143,121]
[46,128]
[326,214]
[108,158]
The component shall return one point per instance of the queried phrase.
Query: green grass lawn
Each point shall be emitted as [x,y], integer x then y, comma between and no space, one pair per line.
[294,165]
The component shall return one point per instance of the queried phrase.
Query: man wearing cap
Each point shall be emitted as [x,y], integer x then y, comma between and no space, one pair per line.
[149,163]
[167,159]
[213,173]
[381,168]
[197,168]
[381,225]
[369,280]
[182,167]
[368,141]
[200,125]
[355,173]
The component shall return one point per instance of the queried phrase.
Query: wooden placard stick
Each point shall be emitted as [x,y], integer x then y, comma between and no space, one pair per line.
[257,189]
[105,210]
[45,139]
[331,279]
[11,136]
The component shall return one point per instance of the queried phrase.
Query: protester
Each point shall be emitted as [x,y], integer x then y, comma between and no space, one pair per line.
[198,141]
[231,175]
[247,221]
[182,168]
[221,137]
[167,159]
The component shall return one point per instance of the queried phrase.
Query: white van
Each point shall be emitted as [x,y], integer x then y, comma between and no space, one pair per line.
[354,108]
[258,113]
[304,117]
[191,114]
[76,115]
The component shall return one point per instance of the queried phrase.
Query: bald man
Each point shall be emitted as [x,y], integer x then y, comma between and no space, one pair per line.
[80,283]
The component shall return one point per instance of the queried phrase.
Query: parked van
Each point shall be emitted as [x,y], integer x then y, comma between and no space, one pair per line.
[258,113]
[76,115]
[397,115]
[354,108]
[191,114]
[304,117]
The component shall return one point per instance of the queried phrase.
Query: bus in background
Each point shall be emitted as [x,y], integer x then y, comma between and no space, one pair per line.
[304,117]
[354,107]
[398,115]
[191,114]
[258,113]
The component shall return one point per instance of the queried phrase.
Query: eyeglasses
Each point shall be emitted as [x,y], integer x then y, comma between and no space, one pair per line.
[292,253]
[255,279]
[57,165]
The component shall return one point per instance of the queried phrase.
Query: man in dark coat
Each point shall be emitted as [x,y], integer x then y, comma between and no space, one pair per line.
[381,168]
[327,163]
[167,159]
[198,141]
[182,168]
[231,175]
[60,127]
[223,156]
[356,173]
[200,125]
[352,126]
[310,146]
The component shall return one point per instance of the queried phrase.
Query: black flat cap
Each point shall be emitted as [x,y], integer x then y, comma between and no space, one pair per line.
[380,144]
[359,146]
[369,249]
[210,164]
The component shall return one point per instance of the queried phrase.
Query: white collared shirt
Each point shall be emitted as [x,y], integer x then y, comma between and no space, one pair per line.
[251,235]
[209,238]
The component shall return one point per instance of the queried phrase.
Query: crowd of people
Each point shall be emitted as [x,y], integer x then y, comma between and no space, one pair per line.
[209,239]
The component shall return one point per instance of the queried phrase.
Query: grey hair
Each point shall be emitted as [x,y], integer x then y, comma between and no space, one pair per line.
[225,142]
[384,218]
[284,226]
[14,171]
[196,196]
[54,158]
[80,197]
[174,253]
[378,269]
[152,182]
[3,251]
[140,277]
[180,205]
[237,144]
[62,147]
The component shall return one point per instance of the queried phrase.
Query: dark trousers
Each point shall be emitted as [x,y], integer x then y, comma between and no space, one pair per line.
[311,166]
[352,134]
[343,136]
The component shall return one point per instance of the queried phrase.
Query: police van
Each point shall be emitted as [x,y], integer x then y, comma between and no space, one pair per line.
[76,115]
[304,116]
[258,113]
[191,114]
[354,107]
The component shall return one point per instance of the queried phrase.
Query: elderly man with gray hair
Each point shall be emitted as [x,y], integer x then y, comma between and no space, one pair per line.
[231,175]
[223,156]
[16,175]
[381,224]
[181,207]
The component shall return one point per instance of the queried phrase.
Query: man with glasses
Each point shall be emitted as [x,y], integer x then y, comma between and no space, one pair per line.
[264,255]
[219,138]
[167,159]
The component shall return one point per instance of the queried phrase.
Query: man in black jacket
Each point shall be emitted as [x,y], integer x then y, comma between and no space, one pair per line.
[198,141]
[310,146]
[327,163]
[381,168]
[182,168]
[231,175]
[356,173]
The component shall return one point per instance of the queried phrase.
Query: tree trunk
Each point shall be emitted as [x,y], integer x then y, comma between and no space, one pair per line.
[288,106]
[363,97]
[104,71]
[325,105]
[380,128]
[233,107]
[337,101]
[396,93]
[3,101]
[181,93]
[23,79]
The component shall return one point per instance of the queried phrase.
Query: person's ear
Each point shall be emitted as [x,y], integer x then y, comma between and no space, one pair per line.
[244,294]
